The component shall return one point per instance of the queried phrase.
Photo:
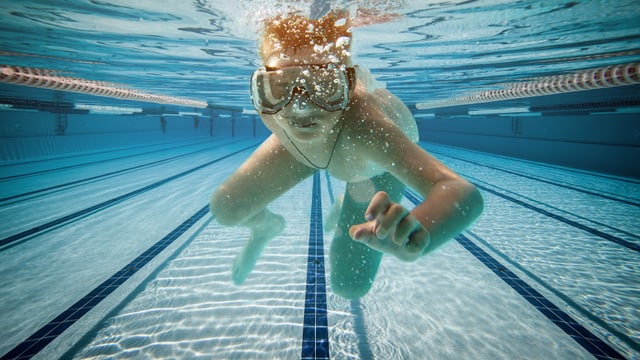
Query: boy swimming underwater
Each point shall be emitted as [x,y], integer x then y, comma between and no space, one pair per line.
[325,114]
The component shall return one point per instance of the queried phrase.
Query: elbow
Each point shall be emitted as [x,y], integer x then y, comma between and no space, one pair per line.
[216,206]
[224,208]
[474,203]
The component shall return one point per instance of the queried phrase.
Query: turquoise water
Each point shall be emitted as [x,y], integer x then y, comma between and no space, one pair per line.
[204,50]
[107,249]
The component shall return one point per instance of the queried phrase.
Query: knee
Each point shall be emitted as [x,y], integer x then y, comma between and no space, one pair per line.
[350,290]
[349,285]
[225,208]
[353,266]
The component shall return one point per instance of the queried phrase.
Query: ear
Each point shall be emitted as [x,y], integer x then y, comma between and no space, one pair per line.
[351,77]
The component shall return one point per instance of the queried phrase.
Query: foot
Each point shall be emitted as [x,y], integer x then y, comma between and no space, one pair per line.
[260,237]
[334,215]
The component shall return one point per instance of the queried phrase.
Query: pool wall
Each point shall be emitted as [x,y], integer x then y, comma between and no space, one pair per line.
[40,134]
[592,130]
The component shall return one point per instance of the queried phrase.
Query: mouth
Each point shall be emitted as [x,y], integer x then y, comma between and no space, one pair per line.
[303,124]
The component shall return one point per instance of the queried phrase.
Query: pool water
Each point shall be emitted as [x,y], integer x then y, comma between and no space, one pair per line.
[182,303]
[107,248]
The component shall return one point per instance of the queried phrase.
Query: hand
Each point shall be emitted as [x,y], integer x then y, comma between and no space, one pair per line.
[391,229]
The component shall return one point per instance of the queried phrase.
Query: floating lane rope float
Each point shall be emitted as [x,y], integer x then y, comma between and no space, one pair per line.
[47,79]
[598,78]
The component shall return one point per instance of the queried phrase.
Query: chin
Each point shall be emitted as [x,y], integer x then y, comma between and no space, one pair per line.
[309,132]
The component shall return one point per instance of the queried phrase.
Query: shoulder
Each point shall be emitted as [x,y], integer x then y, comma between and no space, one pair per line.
[371,103]
[370,130]
[380,113]
[364,115]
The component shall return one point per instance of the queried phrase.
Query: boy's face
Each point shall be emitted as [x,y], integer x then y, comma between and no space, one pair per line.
[302,118]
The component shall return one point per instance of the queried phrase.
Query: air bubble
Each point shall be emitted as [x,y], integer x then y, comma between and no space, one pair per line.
[343,41]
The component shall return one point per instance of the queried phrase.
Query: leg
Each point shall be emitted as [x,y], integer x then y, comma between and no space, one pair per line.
[243,198]
[331,220]
[264,227]
[354,265]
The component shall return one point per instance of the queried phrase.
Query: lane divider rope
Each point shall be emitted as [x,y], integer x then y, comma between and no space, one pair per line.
[597,78]
[49,79]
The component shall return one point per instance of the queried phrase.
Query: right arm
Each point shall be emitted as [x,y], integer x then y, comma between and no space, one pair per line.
[268,173]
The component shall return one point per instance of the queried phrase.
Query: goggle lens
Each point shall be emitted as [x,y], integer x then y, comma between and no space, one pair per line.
[327,87]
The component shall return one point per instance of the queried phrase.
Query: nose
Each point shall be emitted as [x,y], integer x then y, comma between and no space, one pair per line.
[300,92]
[300,98]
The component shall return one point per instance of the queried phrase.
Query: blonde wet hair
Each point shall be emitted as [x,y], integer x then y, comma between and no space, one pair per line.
[331,34]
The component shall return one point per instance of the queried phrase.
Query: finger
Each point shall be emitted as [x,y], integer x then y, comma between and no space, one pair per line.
[362,231]
[405,228]
[418,242]
[390,220]
[371,240]
[378,205]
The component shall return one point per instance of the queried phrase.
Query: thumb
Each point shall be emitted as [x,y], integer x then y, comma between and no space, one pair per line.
[364,231]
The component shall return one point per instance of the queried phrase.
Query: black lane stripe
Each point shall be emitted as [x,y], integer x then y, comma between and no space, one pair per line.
[570,187]
[315,332]
[105,175]
[554,208]
[541,164]
[111,202]
[579,333]
[70,156]
[568,300]
[628,244]
[45,335]
[88,163]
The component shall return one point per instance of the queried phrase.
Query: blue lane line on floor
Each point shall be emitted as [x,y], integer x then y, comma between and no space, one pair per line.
[558,210]
[332,197]
[40,172]
[109,203]
[49,189]
[41,338]
[614,239]
[570,187]
[315,332]
[540,164]
[579,333]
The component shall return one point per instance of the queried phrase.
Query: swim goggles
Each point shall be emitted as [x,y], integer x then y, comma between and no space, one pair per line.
[326,86]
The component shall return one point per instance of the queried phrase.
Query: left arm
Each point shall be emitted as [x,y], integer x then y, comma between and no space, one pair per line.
[450,203]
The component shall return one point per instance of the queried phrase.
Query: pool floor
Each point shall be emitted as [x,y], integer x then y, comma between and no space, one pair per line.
[114,255]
